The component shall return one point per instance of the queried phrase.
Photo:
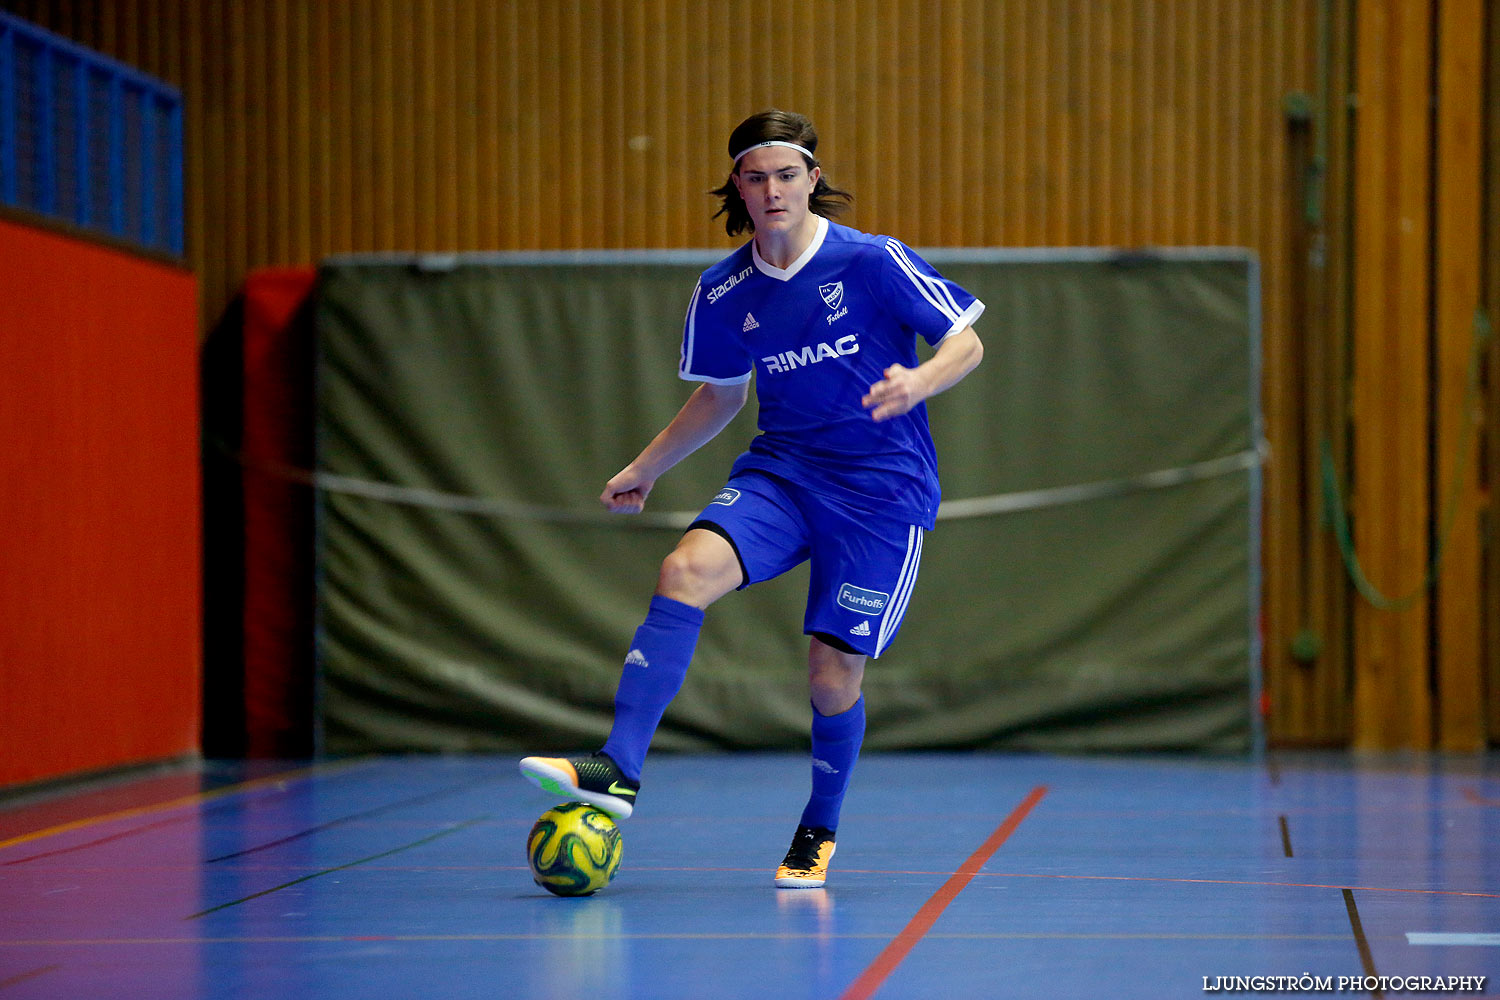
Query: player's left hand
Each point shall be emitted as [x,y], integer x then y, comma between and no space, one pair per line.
[898,392]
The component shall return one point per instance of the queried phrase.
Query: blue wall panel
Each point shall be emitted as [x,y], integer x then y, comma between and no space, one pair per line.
[88,140]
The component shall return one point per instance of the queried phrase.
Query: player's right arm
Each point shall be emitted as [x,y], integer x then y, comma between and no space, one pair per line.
[707,412]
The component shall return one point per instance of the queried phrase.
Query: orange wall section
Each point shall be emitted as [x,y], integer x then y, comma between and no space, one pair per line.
[100,511]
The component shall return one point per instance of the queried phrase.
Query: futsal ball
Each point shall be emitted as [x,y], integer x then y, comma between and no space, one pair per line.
[574,849]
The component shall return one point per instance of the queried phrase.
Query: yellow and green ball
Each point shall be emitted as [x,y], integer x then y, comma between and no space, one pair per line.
[574,849]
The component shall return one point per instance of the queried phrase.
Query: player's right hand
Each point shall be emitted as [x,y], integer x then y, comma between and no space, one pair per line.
[626,493]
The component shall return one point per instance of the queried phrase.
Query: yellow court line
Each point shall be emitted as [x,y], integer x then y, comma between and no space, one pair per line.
[185,800]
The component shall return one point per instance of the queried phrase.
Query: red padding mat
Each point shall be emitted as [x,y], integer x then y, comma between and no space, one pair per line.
[277,434]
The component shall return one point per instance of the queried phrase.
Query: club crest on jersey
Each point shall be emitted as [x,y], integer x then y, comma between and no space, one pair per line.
[832,294]
[777,364]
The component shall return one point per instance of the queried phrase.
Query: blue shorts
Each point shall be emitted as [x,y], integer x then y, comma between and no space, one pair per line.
[863,566]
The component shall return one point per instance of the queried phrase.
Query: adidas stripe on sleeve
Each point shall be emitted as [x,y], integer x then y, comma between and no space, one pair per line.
[709,355]
[923,299]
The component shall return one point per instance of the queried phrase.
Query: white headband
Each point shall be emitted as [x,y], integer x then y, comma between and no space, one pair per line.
[775,142]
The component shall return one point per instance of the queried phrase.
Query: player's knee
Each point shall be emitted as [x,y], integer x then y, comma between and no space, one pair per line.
[834,677]
[689,576]
[834,694]
[831,676]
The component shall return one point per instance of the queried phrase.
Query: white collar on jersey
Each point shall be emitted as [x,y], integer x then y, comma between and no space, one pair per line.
[772,271]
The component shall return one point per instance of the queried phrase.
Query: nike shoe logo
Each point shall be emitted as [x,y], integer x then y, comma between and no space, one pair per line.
[615,788]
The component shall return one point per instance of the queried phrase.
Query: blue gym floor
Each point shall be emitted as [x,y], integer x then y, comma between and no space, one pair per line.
[956,876]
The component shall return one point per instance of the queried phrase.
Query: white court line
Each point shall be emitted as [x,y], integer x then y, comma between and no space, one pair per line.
[1428,937]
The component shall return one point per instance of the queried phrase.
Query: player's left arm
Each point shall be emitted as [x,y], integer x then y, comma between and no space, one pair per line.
[902,388]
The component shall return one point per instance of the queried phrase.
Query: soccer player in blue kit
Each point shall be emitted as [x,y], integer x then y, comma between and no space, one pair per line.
[843,472]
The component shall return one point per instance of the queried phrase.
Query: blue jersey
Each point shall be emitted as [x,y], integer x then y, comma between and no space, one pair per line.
[817,335]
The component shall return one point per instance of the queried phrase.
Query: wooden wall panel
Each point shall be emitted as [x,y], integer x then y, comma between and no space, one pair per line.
[1391,509]
[374,125]
[595,124]
[1490,438]
[1458,673]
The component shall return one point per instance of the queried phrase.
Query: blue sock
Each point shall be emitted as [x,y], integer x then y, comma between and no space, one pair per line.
[653,672]
[835,746]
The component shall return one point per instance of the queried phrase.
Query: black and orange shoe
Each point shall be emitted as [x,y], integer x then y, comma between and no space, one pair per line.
[806,863]
[595,779]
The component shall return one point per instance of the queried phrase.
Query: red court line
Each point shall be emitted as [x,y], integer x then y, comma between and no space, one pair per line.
[50,803]
[885,963]
[283,777]
[1472,794]
[74,848]
[32,974]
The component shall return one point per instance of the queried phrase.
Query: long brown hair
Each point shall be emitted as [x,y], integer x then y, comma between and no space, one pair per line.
[768,126]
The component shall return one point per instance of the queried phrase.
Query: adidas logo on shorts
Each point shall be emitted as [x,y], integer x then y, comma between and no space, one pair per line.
[636,658]
[750,324]
[863,628]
